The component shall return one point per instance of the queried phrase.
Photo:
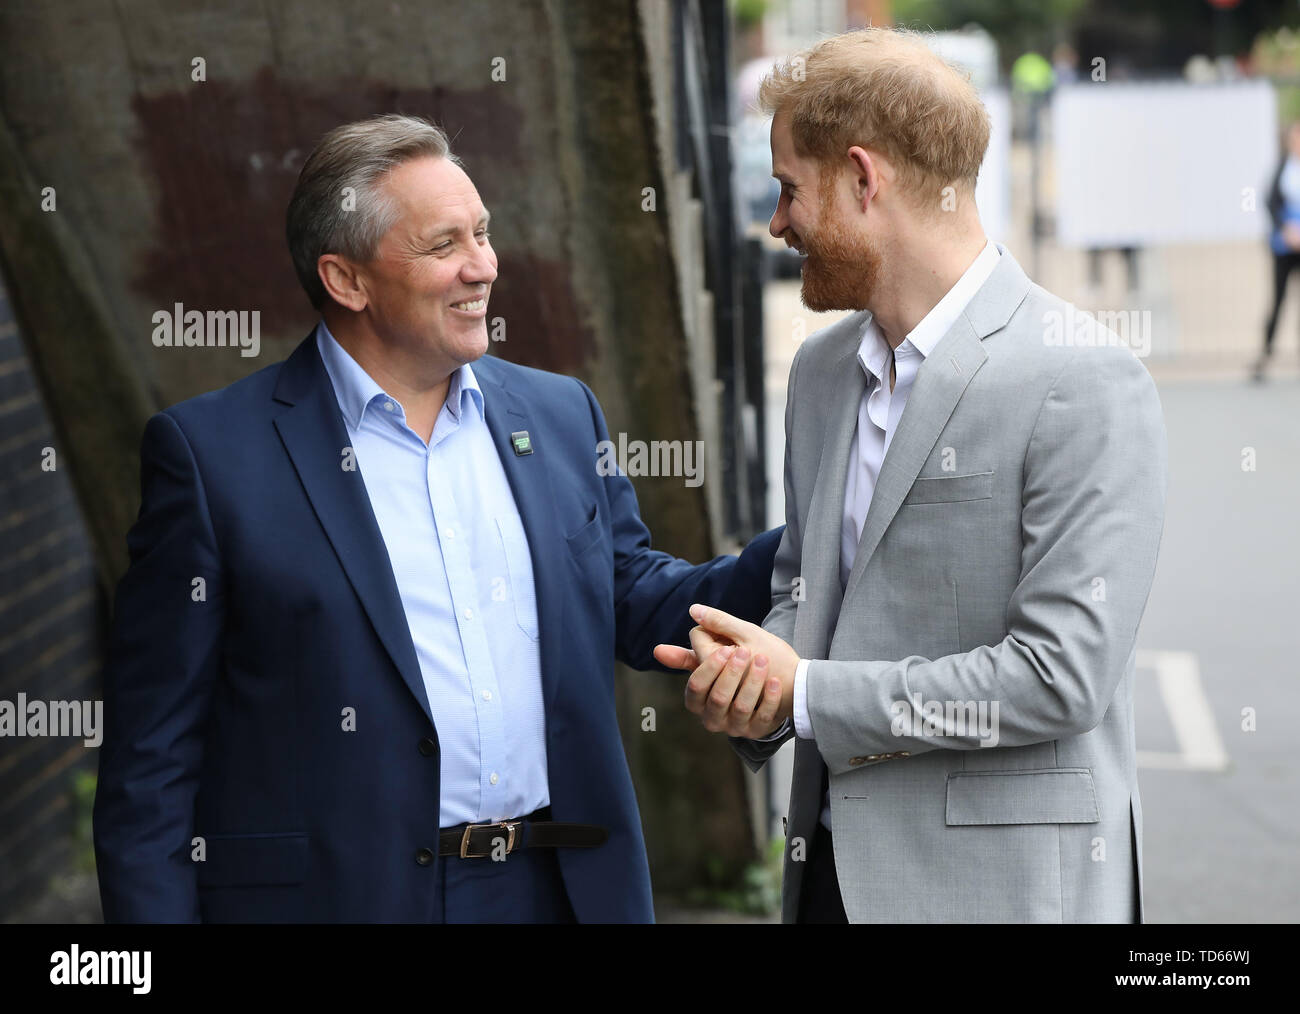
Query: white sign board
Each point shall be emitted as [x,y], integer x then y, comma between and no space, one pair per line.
[1143,163]
[993,188]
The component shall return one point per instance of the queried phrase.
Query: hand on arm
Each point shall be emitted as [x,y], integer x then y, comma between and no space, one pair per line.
[653,589]
[742,681]
[760,731]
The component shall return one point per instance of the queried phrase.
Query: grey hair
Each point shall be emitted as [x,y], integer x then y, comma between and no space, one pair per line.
[339,205]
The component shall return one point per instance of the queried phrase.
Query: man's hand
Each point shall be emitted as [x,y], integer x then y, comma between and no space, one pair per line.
[743,679]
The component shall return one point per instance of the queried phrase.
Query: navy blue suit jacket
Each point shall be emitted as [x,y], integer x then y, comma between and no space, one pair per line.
[224,696]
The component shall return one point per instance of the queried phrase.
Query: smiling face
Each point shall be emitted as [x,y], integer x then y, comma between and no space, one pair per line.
[427,286]
[816,216]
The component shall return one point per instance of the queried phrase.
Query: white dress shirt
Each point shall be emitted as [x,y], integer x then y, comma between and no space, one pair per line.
[878,416]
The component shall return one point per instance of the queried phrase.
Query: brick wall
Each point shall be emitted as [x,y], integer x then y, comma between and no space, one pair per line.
[51,629]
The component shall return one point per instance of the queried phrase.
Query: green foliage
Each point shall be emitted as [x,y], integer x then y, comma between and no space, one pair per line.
[83,802]
[756,891]
[1288,105]
[747,13]
[1016,25]
[1277,55]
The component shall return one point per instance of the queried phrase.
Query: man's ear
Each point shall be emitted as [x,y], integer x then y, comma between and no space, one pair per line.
[341,281]
[866,166]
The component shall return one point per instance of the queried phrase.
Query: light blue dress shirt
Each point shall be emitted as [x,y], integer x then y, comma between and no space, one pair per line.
[459,555]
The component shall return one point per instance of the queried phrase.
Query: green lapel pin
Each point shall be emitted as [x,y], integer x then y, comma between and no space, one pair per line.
[522,441]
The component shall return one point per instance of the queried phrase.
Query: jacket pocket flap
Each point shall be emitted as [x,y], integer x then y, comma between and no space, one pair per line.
[1041,796]
[252,859]
[951,488]
[588,534]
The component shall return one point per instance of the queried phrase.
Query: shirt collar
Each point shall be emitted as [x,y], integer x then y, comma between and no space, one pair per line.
[355,389]
[464,394]
[873,352]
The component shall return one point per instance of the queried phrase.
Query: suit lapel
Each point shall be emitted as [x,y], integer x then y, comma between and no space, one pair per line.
[529,478]
[315,436]
[939,385]
[823,592]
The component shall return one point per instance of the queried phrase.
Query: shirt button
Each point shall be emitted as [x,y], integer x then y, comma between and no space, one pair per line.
[388,406]
[487,695]
[448,533]
[493,778]
[469,614]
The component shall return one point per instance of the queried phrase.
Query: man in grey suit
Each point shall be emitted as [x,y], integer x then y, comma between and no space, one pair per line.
[975,481]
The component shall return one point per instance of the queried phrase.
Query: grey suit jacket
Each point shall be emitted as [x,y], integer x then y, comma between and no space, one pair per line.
[971,689]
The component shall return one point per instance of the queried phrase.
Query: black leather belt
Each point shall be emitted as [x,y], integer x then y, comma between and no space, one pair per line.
[537,830]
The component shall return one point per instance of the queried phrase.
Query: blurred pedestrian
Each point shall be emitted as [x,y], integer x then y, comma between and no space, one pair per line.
[1065,64]
[1284,209]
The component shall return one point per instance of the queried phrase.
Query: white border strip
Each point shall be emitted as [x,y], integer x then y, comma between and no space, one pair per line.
[1200,748]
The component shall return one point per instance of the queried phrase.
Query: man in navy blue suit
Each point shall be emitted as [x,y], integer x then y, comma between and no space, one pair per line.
[361,666]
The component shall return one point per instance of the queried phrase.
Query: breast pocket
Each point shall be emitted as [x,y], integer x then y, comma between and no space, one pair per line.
[589,534]
[514,543]
[951,488]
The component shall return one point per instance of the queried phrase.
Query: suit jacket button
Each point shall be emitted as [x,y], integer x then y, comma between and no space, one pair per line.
[428,747]
[424,857]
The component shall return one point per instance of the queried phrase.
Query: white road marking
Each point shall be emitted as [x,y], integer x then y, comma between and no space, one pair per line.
[1179,679]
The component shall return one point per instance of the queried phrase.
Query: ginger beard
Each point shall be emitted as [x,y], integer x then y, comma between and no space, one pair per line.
[842,268]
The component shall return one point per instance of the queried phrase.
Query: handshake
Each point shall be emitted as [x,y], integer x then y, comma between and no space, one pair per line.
[742,679]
